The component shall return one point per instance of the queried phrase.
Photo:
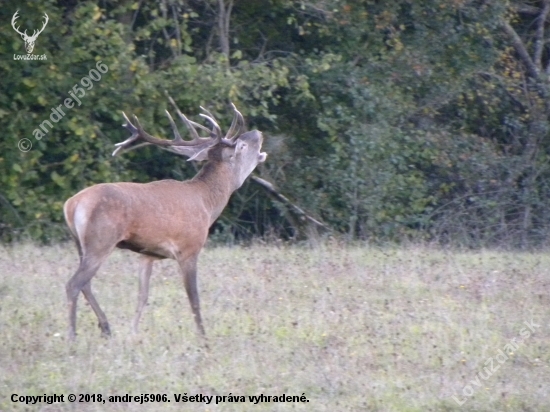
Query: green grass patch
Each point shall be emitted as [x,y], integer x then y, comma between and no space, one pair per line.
[353,328]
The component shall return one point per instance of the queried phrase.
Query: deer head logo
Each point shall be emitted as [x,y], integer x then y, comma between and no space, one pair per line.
[29,40]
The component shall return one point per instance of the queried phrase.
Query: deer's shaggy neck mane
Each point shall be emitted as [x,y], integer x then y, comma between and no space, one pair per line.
[215,179]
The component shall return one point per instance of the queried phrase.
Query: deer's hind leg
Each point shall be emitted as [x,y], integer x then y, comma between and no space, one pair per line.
[188,269]
[103,323]
[146,263]
[81,281]
[94,246]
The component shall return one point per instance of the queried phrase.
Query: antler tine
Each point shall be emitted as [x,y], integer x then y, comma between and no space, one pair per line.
[207,112]
[135,135]
[154,140]
[189,126]
[128,125]
[235,128]
[215,133]
[185,121]
[137,146]
[232,127]
[216,130]
[200,126]
[138,133]
[237,112]
[177,135]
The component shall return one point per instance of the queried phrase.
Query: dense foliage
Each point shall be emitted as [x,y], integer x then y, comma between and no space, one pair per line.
[384,120]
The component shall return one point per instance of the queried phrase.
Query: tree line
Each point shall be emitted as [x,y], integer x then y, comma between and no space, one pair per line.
[425,119]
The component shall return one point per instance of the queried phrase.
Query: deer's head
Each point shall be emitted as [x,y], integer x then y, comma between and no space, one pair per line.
[238,150]
[29,40]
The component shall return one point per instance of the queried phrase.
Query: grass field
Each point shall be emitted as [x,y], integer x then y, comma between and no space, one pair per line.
[350,328]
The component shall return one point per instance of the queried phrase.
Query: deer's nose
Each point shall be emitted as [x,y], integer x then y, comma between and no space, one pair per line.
[253,135]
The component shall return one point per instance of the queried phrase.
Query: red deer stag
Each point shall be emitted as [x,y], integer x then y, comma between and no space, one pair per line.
[162,219]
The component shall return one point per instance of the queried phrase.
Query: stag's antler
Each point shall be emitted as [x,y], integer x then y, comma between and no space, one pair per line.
[194,146]
[234,130]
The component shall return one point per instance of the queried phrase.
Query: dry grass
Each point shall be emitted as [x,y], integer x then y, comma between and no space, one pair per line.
[352,328]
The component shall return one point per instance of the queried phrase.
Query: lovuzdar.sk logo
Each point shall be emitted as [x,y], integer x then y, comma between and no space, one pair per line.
[29,40]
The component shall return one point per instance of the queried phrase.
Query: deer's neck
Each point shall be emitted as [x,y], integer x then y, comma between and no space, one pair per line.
[216,180]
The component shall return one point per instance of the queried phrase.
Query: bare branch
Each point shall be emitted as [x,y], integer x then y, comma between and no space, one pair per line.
[527,9]
[520,48]
[224,17]
[502,84]
[539,35]
[134,17]
[176,51]
[282,198]
[178,31]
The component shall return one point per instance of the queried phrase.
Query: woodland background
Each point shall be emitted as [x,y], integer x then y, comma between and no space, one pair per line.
[386,120]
